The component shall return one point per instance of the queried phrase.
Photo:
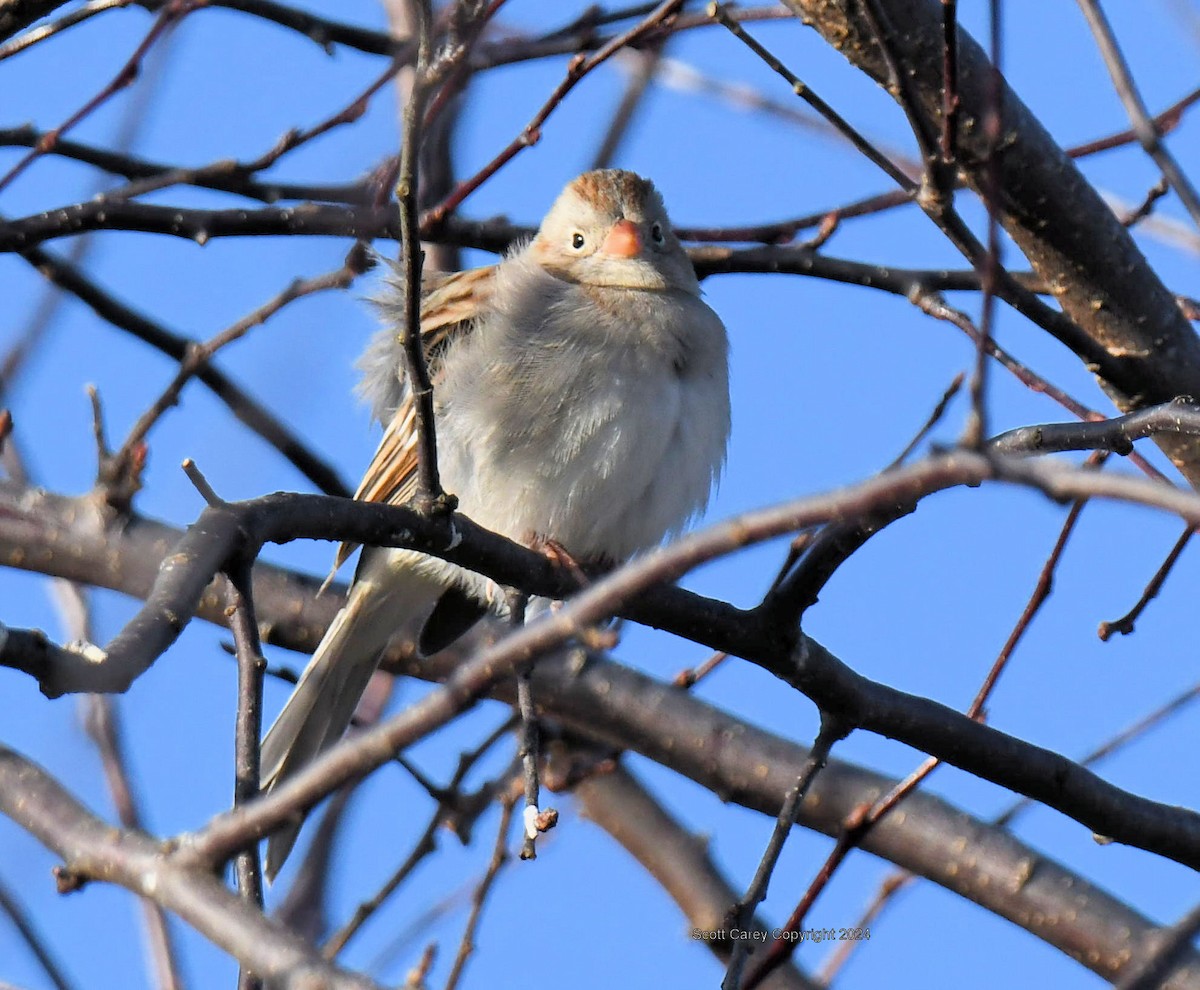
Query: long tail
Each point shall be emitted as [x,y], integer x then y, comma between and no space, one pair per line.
[387,597]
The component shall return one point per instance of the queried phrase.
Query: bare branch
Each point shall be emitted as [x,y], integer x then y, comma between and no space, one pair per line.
[93,849]
[1124,625]
[32,938]
[617,706]
[171,13]
[1135,107]
[246,408]
[621,805]
[248,729]
[466,945]
[1102,281]
[16,15]
[102,720]
[529,136]
[742,911]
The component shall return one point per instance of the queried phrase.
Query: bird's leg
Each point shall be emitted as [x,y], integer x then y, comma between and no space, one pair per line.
[602,636]
[560,556]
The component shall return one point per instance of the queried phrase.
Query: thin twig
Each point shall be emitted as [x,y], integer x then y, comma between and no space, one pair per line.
[244,406]
[45,31]
[843,127]
[200,482]
[1163,124]
[950,101]
[171,13]
[579,67]
[247,730]
[453,808]
[819,553]
[611,796]
[1111,438]
[93,849]
[119,475]
[416,371]
[1124,625]
[1129,734]
[1041,592]
[103,726]
[528,734]
[644,69]
[691,676]
[937,174]
[897,881]
[989,271]
[1146,207]
[1135,107]
[889,887]
[867,817]
[499,857]
[932,421]
[832,730]
[25,927]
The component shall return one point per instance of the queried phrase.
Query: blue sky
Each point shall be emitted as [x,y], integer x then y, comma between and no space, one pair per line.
[829,383]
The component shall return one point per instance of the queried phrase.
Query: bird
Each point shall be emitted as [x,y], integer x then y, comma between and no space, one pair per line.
[581,403]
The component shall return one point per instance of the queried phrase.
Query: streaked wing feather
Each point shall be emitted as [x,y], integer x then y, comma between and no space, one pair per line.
[449,306]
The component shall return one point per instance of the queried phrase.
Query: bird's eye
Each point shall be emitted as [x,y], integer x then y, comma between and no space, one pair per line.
[656,232]
[578,241]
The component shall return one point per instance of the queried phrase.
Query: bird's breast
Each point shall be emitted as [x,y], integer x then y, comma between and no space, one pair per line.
[596,436]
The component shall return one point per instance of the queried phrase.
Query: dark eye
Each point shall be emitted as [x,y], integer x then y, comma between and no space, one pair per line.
[578,241]
[656,232]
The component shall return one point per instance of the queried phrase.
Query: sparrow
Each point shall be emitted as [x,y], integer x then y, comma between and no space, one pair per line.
[581,402]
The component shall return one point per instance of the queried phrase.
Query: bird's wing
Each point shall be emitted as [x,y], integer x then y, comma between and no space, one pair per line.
[449,307]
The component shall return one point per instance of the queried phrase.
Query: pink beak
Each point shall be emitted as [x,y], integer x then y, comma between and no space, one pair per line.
[623,241]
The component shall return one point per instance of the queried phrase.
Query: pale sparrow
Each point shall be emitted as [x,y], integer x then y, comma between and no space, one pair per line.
[581,399]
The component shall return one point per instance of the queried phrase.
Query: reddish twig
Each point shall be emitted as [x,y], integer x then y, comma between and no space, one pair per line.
[897,881]
[1129,734]
[1163,123]
[171,13]
[579,67]
[1041,592]
[691,676]
[1146,207]
[933,304]
[644,69]
[1124,625]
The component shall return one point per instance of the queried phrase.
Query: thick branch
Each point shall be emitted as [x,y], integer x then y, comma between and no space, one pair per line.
[619,707]
[636,591]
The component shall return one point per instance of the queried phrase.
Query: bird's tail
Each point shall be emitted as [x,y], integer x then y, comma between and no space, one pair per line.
[384,600]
